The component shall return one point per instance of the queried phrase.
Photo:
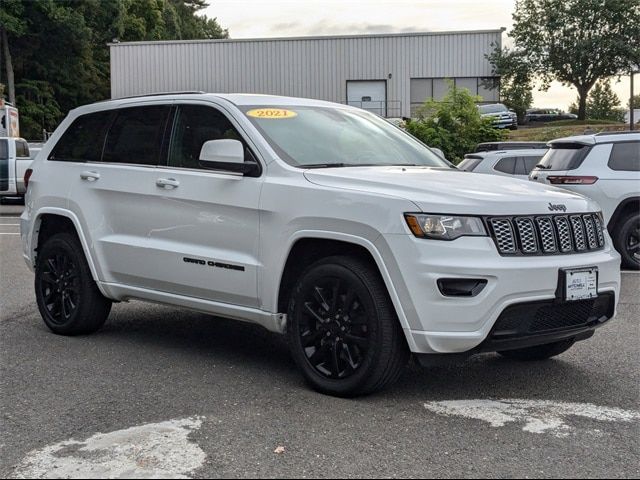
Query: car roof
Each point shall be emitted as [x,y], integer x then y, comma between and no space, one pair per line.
[239,99]
[603,137]
[503,153]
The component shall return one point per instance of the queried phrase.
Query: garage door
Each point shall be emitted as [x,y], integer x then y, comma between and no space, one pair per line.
[370,95]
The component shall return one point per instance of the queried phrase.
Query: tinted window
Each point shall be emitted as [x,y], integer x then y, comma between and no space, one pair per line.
[136,135]
[564,156]
[625,156]
[496,108]
[4,165]
[4,150]
[527,164]
[22,149]
[84,139]
[506,165]
[195,125]
[469,163]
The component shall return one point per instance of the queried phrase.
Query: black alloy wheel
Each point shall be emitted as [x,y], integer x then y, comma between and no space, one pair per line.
[68,298]
[343,330]
[334,328]
[59,287]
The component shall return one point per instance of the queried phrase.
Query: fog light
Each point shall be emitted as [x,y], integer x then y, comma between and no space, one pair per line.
[461,287]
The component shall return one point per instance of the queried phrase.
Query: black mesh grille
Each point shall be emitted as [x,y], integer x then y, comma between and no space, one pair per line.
[533,318]
[547,234]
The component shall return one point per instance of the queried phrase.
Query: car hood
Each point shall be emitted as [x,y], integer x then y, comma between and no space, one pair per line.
[437,190]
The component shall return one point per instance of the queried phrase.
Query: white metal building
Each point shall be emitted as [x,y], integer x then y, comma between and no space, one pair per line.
[388,74]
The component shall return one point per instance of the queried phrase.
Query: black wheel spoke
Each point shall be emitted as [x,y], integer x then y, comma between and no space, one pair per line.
[319,354]
[311,339]
[59,287]
[335,360]
[321,299]
[334,298]
[358,341]
[314,314]
[49,278]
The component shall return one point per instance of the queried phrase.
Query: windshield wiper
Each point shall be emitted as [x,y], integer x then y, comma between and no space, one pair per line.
[328,165]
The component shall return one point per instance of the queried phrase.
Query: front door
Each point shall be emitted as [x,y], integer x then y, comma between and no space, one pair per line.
[206,238]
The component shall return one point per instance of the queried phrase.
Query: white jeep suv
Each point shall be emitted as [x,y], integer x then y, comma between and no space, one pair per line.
[606,168]
[315,220]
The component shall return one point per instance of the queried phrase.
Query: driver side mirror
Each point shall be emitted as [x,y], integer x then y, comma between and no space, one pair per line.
[226,155]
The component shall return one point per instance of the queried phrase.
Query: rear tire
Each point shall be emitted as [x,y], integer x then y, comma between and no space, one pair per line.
[626,239]
[67,296]
[343,331]
[539,352]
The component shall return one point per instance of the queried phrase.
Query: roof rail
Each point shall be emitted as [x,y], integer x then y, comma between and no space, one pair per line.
[625,132]
[160,94]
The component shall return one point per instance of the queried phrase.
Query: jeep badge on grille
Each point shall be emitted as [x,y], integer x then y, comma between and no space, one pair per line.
[557,208]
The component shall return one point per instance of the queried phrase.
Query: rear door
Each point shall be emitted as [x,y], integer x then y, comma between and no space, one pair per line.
[113,157]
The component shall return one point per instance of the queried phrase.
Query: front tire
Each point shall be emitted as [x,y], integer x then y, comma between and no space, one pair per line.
[67,296]
[627,241]
[539,352]
[343,332]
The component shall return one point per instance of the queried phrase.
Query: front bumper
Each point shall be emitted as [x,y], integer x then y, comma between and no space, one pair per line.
[437,324]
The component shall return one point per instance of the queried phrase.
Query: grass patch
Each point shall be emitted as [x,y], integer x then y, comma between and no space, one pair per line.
[563,128]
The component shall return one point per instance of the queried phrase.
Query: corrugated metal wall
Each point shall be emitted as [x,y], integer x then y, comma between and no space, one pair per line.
[315,67]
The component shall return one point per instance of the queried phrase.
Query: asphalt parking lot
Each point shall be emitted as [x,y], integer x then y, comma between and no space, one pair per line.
[189,394]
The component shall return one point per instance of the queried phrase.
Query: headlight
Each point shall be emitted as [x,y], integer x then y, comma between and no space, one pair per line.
[444,227]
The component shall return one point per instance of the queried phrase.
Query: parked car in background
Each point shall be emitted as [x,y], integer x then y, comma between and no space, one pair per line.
[606,168]
[15,159]
[318,221]
[547,115]
[502,117]
[517,163]
[492,146]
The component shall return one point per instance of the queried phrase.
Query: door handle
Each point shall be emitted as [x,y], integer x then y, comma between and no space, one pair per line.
[167,183]
[90,176]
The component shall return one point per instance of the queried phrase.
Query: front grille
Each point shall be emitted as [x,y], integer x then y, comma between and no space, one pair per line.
[547,234]
[546,316]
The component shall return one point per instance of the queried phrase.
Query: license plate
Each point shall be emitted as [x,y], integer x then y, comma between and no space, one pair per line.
[580,284]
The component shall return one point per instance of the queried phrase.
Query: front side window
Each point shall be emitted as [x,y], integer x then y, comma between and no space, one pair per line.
[309,136]
[4,150]
[136,135]
[625,157]
[84,139]
[194,125]
[506,165]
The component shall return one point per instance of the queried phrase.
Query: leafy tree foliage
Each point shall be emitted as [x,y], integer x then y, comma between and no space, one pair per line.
[453,125]
[516,79]
[636,102]
[578,42]
[60,53]
[602,104]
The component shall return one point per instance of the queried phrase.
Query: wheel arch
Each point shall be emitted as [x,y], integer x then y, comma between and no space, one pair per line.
[308,247]
[49,221]
[626,207]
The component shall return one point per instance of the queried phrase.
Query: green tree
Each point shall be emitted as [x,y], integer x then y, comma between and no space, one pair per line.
[516,79]
[636,102]
[60,53]
[578,42]
[453,125]
[602,103]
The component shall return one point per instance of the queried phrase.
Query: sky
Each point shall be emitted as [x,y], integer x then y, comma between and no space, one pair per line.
[291,18]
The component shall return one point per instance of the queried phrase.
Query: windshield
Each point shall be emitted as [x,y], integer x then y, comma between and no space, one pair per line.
[497,108]
[307,136]
[564,157]
[469,163]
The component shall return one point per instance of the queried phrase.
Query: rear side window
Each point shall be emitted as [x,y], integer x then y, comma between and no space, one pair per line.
[526,164]
[506,165]
[22,149]
[136,135]
[625,157]
[84,139]
[563,156]
[469,163]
